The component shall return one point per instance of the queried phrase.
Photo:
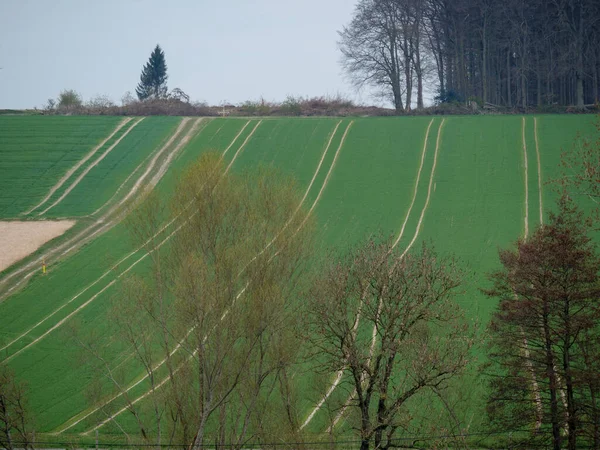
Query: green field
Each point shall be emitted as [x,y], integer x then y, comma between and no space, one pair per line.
[36,151]
[469,200]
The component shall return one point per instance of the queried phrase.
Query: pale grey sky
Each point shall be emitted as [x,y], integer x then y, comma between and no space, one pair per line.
[216,50]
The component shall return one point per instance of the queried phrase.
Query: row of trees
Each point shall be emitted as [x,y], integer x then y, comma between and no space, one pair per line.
[511,53]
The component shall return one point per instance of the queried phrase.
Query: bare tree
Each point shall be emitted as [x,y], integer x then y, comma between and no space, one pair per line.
[390,323]
[372,52]
[14,429]
[213,325]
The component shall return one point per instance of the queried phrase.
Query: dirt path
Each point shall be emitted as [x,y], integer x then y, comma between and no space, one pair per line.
[340,373]
[100,225]
[20,239]
[72,170]
[179,345]
[90,167]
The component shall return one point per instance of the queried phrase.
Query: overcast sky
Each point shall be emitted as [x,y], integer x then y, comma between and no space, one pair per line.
[216,50]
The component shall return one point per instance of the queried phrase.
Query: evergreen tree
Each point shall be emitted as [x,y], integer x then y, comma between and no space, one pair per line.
[153,80]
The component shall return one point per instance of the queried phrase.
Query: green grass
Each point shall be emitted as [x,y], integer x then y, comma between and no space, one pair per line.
[35,151]
[100,184]
[477,205]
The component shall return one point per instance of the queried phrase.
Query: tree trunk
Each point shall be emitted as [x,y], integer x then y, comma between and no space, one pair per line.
[508,96]
[484,80]
[571,416]
[420,104]
[552,382]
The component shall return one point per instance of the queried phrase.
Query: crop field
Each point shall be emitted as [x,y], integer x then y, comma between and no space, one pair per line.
[470,185]
[36,151]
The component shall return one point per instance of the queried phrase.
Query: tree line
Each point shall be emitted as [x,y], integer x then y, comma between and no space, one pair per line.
[513,53]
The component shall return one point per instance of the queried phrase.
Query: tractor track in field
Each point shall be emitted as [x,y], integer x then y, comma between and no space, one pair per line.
[526,181]
[102,224]
[180,344]
[340,373]
[534,383]
[73,169]
[90,167]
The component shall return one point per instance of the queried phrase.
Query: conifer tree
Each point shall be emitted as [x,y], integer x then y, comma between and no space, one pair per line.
[153,80]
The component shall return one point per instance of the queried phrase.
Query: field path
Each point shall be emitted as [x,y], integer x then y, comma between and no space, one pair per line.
[72,170]
[100,225]
[340,373]
[90,167]
[180,344]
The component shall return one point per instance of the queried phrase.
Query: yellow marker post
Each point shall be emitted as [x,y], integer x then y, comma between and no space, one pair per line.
[44,267]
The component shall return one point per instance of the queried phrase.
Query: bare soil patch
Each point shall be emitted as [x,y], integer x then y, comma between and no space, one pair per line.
[19,239]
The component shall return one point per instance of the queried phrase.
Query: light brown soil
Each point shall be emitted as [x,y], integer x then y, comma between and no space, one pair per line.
[19,239]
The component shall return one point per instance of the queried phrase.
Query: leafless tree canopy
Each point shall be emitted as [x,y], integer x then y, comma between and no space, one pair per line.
[515,52]
[14,431]
[392,325]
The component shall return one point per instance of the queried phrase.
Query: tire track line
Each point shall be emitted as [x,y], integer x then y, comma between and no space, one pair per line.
[412,203]
[179,345]
[127,180]
[108,272]
[301,201]
[340,373]
[79,308]
[417,231]
[534,383]
[235,138]
[241,147]
[526,183]
[72,170]
[90,167]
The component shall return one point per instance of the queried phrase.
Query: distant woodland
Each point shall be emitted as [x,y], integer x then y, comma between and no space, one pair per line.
[512,53]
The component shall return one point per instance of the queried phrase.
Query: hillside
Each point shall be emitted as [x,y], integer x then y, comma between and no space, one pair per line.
[468,184]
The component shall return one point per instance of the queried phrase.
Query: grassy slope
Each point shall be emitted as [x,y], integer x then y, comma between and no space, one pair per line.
[44,294]
[477,206]
[101,182]
[273,137]
[36,151]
